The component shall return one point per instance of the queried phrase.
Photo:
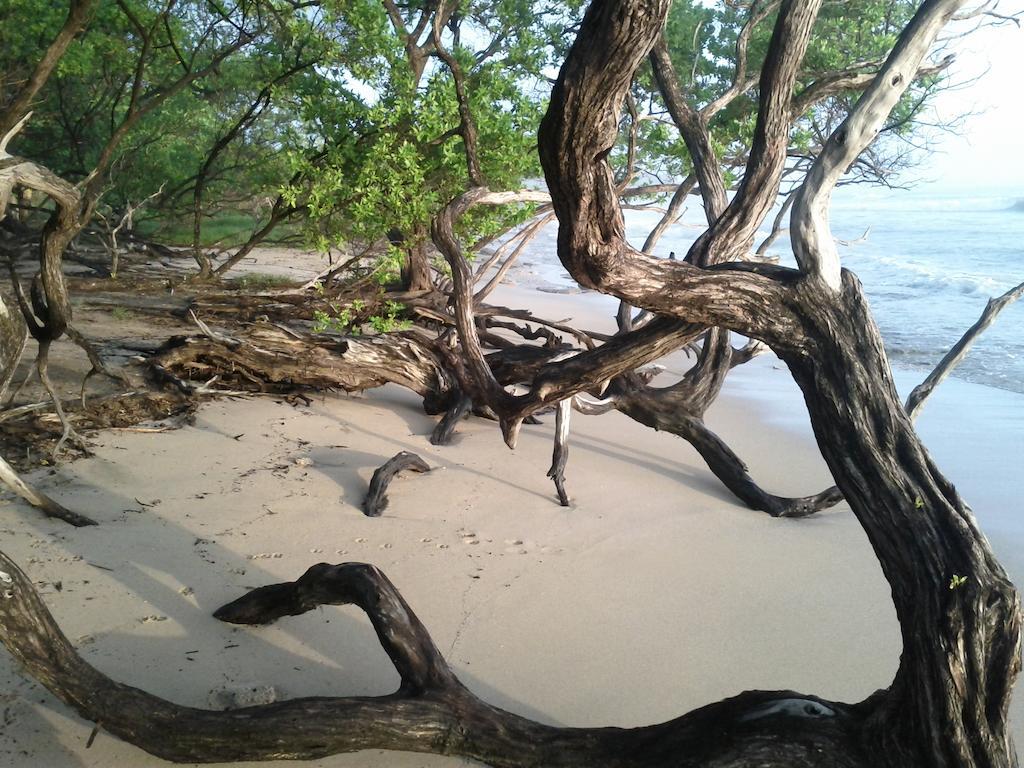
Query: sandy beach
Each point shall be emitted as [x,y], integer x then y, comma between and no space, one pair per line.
[654,593]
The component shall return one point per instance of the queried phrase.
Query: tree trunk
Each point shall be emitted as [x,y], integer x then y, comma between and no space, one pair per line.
[959,614]
[416,274]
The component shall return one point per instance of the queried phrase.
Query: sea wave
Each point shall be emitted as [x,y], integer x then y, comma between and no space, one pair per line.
[930,276]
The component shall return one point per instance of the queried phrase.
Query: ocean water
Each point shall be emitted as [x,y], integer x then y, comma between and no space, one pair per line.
[929,263]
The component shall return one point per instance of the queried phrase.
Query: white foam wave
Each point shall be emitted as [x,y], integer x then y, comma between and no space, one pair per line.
[929,276]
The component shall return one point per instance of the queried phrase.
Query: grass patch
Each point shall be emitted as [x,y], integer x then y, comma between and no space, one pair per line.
[262,281]
[224,229]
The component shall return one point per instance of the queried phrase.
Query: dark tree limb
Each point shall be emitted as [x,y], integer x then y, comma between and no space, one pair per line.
[667,409]
[376,498]
[959,350]
[732,471]
[402,635]
[430,712]
[442,434]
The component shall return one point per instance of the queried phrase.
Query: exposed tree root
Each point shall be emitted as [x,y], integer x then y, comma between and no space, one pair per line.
[671,409]
[376,498]
[442,434]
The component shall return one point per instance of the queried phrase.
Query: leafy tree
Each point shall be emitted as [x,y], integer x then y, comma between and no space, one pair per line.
[391,157]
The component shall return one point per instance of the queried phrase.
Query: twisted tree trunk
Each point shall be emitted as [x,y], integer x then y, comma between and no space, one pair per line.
[959,613]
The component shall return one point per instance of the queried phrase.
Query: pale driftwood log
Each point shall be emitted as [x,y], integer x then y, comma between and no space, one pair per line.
[959,350]
[269,359]
[376,498]
[560,453]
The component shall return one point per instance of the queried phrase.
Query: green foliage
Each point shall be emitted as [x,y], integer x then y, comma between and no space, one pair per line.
[353,317]
[957,581]
[391,157]
[357,135]
[87,100]
[851,37]
[262,281]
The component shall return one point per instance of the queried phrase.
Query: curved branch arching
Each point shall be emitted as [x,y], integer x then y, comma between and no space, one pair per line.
[430,712]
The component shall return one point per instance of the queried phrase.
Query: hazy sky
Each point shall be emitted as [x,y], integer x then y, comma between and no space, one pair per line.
[990,148]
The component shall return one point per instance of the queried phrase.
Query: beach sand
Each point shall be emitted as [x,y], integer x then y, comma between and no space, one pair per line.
[653,594]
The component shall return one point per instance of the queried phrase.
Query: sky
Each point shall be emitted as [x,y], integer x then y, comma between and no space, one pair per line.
[989,150]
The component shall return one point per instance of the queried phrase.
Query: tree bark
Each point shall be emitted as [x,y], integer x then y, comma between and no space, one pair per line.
[376,498]
[959,613]
[430,712]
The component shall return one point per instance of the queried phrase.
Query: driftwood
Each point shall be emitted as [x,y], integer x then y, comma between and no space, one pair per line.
[271,359]
[40,500]
[959,350]
[376,498]
[560,453]
[13,335]
[442,434]
[432,711]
